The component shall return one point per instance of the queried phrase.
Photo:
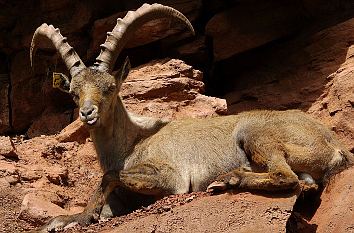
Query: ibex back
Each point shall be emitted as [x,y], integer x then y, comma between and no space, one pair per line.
[263,150]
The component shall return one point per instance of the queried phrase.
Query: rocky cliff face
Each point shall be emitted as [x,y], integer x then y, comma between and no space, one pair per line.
[225,31]
[253,54]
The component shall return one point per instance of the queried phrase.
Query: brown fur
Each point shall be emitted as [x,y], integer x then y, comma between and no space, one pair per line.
[262,150]
[145,157]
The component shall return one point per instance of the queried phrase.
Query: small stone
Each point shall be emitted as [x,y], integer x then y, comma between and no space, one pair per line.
[7,168]
[57,175]
[37,208]
[13,179]
[189,199]
[4,183]
[30,175]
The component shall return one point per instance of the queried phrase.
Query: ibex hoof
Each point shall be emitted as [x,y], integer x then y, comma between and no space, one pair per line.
[216,186]
[57,224]
[223,183]
[63,222]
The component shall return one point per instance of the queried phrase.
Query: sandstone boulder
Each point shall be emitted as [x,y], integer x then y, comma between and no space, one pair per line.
[336,104]
[39,207]
[336,212]
[76,131]
[171,89]
[318,80]
[242,212]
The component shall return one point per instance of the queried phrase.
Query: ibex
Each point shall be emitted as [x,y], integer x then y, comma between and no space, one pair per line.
[143,156]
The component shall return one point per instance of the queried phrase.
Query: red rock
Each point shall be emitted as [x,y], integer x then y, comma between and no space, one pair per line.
[76,131]
[246,27]
[318,81]
[13,179]
[195,52]
[4,103]
[38,208]
[8,168]
[147,33]
[7,148]
[57,174]
[336,212]
[87,150]
[4,183]
[336,104]
[14,173]
[169,88]
[49,123]
[242,212]
[70,22]
[30,175]
[32,95]
[26,95]
[9,173]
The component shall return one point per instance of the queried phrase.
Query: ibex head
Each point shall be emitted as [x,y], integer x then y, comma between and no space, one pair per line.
[94,88]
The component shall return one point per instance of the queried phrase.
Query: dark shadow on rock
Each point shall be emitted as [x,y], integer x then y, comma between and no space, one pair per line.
[304,209]
[296,224]
[285,74]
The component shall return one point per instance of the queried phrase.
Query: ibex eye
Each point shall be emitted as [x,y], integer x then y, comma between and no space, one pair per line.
[110,88]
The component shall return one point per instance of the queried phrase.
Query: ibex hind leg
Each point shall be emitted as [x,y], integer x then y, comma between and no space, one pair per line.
[270,181]
[268,155]
[151,178]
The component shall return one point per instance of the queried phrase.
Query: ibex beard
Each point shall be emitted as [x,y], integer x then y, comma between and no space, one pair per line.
[145,157]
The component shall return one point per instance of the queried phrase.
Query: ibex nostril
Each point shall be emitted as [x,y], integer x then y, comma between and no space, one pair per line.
[86,112]
[89,112]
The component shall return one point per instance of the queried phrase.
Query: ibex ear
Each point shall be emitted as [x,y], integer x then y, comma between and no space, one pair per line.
[123,72]
[61,82]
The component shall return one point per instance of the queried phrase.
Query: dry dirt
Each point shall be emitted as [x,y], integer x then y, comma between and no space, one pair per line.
[60,174]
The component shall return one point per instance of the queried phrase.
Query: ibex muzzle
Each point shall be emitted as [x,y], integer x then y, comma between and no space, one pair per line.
[88,112]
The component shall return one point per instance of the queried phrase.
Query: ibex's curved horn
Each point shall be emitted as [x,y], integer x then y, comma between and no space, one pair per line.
[125,27]
[67,53]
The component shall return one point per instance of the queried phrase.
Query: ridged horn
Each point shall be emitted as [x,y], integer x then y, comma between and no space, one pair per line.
[67,53]
[126,27]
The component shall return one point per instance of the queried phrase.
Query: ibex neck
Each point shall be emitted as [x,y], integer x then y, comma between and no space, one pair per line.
[118,133]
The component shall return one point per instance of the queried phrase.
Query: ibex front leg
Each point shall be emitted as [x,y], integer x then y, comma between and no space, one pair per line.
[92,211]
[154,178]
[151,178]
